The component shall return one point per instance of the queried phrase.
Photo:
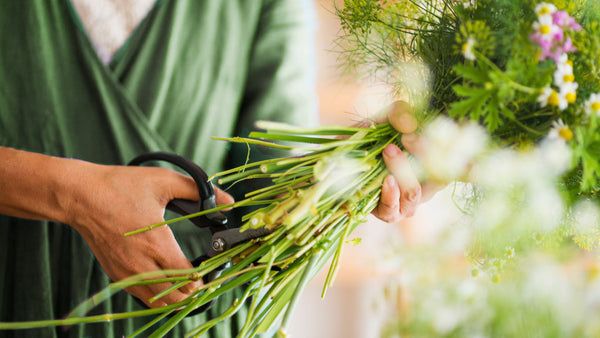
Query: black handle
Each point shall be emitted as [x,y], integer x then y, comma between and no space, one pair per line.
[215,220]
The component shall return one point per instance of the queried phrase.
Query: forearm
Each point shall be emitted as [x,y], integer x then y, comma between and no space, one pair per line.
[37,186]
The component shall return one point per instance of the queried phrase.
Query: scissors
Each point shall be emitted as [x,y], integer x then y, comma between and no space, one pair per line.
[223,238]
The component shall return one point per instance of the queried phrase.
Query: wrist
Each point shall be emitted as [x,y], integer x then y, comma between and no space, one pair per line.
[38,186]
[73,187]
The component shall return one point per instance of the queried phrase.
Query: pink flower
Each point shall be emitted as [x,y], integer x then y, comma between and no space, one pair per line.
[563,20]
[550,33]
[568,46]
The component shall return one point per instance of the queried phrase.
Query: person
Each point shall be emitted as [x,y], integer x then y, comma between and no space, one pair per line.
[69,122]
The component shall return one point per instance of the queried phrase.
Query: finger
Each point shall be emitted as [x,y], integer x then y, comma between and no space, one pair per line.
[401,116]
[222,197]
[182,186]
[410,142]
[388,208]
[168,256]
[145,293]
[410,189]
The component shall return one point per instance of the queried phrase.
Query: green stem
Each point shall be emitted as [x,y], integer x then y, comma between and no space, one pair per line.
[306,277]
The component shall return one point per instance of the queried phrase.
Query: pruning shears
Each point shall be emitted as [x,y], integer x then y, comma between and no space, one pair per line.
[223,238]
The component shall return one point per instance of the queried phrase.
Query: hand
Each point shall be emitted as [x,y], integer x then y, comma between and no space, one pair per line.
[401,191]
[109,201]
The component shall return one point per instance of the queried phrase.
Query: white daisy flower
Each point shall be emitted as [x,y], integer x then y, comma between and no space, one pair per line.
[564,59]
[592,105]
[563,74]
[560,131]
[467,49]
[552,98]
[509,251]
[545,28]
[569,91]
[545,9]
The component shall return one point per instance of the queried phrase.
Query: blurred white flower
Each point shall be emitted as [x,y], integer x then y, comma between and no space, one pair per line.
[544,9]
[586,216]
[468,3]
[563,74]
[467,49]
[592,105]
[518,188]
[555,154]
[449,149]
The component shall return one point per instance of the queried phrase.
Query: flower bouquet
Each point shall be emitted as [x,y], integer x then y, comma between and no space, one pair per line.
[525,73]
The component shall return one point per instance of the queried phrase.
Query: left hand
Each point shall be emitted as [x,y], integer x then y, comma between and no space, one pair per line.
[401,191]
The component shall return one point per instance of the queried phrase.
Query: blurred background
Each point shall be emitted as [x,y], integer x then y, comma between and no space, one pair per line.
[553,290]
[353,307]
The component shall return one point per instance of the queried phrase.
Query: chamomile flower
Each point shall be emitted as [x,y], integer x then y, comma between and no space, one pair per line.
[550,97]
[560,131]
[563,74]
[546,31]
[544,9]
[467,49]
[568,90]
[592,105]
[509,252]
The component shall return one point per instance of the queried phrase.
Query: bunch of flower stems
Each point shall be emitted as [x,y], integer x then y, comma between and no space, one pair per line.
[311,207]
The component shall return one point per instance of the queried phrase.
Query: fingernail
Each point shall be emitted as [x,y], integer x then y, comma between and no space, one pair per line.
[391,150]
[390,181]
[409,138]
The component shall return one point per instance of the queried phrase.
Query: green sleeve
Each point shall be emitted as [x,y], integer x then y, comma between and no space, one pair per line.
[280,82]
[281,74]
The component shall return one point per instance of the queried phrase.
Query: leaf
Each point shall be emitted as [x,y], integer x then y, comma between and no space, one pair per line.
[473,104]
[472,73]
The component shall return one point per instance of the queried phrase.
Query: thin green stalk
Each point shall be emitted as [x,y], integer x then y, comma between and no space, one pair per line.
[150,324]
[263,284]
[170,324]
[289,129]
[336,260]
[107,317]
[290,138]
[246,140]
[169,290]
[301,286]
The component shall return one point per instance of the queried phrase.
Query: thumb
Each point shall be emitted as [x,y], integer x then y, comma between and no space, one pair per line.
[182,186]
[222,197]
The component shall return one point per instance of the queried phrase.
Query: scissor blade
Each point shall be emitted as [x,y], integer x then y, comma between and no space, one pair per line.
[226,239]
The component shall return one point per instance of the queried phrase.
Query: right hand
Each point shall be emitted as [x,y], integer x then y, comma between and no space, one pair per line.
[109,201]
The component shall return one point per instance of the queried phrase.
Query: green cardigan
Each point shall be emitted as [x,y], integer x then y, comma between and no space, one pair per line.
[191,70]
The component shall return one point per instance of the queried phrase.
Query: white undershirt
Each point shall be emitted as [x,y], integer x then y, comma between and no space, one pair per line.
[109,23]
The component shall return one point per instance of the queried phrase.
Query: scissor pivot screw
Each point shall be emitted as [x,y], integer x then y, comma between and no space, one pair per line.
[218,244]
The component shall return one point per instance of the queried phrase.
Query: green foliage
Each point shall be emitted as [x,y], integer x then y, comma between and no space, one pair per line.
[359,15]
[499,84]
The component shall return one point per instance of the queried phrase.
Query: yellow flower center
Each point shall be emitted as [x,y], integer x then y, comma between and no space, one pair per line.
[553,99]
[570,63]
[569,78]
[465,47]
[596,106]
[571,97]
[544,11]
[545,29]
[566,134]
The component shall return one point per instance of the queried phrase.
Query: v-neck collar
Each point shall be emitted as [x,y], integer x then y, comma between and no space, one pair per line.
[116,57]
